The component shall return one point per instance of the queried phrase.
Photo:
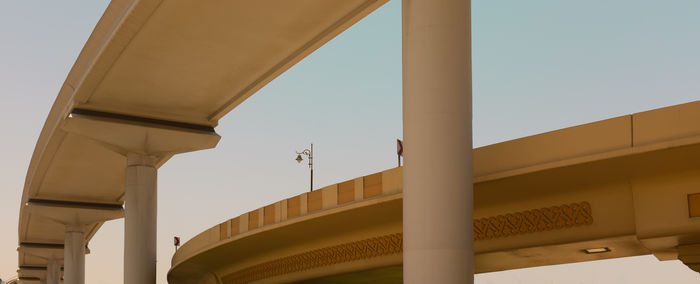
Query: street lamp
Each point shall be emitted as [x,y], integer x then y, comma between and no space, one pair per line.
[310,154]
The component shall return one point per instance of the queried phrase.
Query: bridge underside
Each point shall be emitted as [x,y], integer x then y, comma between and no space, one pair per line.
[386,275]
[156,76]
[153,80]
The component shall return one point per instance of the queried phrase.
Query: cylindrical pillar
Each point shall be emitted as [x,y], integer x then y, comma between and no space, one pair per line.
[74,255]
[437,116]
[53,271]
[140,220]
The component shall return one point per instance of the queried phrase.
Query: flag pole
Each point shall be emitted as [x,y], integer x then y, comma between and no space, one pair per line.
[399,150]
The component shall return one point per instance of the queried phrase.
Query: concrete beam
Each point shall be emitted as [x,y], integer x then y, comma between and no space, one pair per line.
[69,212]
[141,135]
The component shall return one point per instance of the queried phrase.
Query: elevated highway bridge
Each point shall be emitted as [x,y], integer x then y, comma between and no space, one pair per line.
[152,81]
[155,77]
[621,187]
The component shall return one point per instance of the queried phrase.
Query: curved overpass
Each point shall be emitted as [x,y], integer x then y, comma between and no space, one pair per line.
[614,188]
[152,81]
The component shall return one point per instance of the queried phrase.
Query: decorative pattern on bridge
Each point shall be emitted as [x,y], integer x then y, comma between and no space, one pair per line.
[531,221]
[367,248]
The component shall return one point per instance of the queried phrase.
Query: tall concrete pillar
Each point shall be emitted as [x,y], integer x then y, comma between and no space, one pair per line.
[74,255]
[53,271]
[437,116]
[75,217]
[140,220]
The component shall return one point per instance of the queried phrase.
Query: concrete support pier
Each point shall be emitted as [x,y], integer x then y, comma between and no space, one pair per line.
[437,116]
[53,271]
[74,255]
[145,142]
[140,220]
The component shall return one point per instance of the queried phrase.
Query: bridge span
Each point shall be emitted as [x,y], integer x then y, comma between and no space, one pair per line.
[620,187]
[155,77]
[152,81]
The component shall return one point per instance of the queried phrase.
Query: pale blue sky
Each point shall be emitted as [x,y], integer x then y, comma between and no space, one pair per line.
[537,66]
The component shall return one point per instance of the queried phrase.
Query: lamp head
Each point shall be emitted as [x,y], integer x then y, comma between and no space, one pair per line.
[299,159]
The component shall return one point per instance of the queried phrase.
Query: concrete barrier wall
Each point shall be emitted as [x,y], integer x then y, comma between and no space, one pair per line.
[367,187]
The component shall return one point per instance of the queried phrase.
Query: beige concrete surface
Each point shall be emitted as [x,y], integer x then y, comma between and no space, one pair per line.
[437,132]
[154,78]
[140,222]
[626,200]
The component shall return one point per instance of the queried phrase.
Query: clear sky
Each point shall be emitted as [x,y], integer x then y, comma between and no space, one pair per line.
[538,65]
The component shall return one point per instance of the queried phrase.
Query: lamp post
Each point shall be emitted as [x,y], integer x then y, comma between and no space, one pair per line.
[310,154]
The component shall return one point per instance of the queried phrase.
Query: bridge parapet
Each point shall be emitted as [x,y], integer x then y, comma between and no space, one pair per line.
[373,186]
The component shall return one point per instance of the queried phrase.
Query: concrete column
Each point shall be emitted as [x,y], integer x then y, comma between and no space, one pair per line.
[437,115]
[74,255]
[140,220]
[53,271]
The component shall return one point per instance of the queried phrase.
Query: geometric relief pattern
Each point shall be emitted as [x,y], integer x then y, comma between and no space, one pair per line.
[368,248]
[530,221]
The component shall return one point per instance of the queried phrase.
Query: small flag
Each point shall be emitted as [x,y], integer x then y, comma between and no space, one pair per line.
[177,241]
[399,147]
